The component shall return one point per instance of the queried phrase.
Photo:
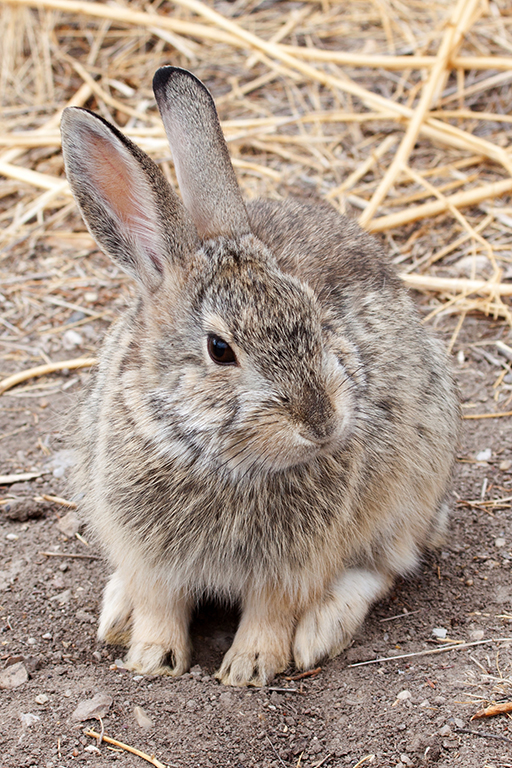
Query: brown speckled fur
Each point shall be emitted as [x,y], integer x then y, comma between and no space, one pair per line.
[298,482]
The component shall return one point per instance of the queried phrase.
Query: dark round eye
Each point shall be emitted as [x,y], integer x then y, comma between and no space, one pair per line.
[220,351]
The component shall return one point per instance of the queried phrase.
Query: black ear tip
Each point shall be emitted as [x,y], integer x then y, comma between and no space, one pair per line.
[162,77]
[178,77]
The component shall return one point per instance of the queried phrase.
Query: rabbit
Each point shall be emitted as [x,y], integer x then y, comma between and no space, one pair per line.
[269,424]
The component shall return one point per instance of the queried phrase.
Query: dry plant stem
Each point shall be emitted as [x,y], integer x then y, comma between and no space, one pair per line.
[494,709]
[459,200]
[457,647]
[451,39]
[363,169]
[497,415]
[434,129]
[368,61]
[149,758]
[42,370]
[77,555]
[22,477]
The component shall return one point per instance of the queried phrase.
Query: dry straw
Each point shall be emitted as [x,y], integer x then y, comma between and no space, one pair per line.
[395,112]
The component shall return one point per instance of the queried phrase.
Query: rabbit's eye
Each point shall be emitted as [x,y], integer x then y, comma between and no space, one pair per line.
[220,351]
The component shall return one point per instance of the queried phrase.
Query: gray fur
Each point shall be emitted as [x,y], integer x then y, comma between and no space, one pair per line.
[299,482]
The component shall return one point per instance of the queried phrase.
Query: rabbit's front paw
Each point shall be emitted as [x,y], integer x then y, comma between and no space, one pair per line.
[327,627]
[150,658]
[250,666]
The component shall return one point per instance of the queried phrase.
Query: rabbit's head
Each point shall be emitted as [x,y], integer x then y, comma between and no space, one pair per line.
[242,364]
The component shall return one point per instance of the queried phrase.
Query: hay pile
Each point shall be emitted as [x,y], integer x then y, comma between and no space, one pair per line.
[396,112]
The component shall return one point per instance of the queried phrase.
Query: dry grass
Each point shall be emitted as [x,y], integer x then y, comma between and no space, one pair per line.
[397,112]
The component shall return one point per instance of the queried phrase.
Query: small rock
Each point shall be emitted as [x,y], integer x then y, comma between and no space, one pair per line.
[96,655]
[47,636]
[83,616]
[445,730]
[12,537]
[440,632]
[98,706]
[92,748]
[28,719]
[406,760]
[71,339]
[403,695]
[196,671]
[60,462]
[13,676]
[500,542]
[62,598]
[192,704]
[476,634]
[469,582]
[484,455]
[142,718]
[458,722]
[23,509]
[69,524]
[42,698]
[506,465]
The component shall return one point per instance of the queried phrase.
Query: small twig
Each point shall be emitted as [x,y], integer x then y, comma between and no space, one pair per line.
[42,370]
[71,554]
[457,647]
[497,415]
[282,690]
[59,500]
[399,616]
[493,709]
[23,477]
[275,751]
[484,734]
[150,758]
[364,760]
[317,765]
[308,673]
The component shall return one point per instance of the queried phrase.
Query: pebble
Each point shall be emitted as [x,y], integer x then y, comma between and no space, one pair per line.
[445,730]
[47,636]
[71,339]
[440,632]
[13,676]
[505,465]
[500,542]
[484,455]
[477,634]
[69,524]
[28,719]
[42,698]
[403,695]
[12,537]
[60,462]
[142,718]
[98,706]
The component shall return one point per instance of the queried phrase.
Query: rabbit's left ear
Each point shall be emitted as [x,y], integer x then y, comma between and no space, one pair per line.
[127,204]
[206,177]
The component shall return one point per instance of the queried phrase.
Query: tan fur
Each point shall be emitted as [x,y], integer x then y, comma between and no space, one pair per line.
[298,482]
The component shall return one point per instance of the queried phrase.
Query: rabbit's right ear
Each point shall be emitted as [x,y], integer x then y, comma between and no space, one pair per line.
[205,174]
[126,202]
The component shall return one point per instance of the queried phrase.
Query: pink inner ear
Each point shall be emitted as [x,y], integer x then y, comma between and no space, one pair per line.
[121,184]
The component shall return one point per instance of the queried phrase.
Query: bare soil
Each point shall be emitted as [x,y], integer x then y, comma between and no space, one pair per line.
[411,711]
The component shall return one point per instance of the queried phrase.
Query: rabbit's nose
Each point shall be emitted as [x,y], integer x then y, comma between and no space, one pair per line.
[316,414]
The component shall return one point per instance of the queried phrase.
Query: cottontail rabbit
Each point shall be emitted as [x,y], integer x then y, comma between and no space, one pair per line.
[269,423]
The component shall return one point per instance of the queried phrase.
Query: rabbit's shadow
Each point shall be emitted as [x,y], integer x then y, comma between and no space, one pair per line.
[213,628]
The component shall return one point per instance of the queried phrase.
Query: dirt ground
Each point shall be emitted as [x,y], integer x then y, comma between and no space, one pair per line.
[412,711]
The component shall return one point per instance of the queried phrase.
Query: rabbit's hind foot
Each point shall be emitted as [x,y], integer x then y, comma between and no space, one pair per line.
[327,627]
